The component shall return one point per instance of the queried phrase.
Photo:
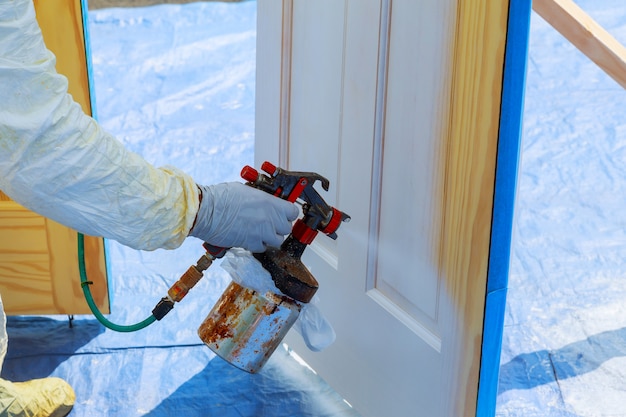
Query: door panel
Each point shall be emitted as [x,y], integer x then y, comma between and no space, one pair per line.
[397,103]
[320,53]
[411,160]
[38,257]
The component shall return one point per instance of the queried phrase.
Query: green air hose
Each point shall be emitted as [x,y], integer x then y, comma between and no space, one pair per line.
[92,305]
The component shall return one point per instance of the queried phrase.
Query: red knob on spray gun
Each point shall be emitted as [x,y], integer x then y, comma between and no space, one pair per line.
[269,168]
[249,174]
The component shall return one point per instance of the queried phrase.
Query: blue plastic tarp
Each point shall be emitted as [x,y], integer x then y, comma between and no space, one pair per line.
[176,84]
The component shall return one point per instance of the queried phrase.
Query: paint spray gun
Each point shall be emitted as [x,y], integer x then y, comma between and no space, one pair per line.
[247,324]
[291,277]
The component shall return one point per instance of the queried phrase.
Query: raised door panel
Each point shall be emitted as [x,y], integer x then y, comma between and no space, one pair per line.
[411,159]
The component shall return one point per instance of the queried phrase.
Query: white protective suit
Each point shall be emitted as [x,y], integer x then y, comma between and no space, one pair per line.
[51,153]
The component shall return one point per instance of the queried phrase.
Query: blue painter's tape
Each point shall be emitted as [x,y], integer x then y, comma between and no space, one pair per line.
[490,360]
[512,108]
[92,92]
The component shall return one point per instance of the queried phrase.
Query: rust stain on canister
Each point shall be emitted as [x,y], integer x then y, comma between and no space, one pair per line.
[245,327]
[218,325]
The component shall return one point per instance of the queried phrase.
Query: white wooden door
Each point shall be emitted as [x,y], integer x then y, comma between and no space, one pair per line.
[397,103]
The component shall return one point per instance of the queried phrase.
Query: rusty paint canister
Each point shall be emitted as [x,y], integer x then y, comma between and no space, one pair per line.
[245,327]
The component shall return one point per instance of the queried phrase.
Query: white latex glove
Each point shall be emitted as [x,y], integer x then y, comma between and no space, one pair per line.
[236,215]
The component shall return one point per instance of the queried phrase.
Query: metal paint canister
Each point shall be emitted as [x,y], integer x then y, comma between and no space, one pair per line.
[245,327]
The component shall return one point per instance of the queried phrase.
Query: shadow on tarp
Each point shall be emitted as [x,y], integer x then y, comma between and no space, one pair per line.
[529,370]
[278,390]
[39,344]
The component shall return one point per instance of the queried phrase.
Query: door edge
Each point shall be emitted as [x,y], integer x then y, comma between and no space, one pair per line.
[507,166]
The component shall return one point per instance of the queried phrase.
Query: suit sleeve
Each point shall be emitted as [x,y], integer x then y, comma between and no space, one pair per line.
[60,163]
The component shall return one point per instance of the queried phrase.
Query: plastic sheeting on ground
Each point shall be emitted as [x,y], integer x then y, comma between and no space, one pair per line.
[564,350]
[174,83]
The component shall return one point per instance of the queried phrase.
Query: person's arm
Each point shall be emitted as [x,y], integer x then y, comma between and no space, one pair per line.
[60,163]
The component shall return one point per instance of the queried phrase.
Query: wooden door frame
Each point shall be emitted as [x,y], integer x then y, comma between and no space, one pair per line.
[65,30]
[81,88]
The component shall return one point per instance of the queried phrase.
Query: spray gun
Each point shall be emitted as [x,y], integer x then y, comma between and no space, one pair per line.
[245,326]
[290,276]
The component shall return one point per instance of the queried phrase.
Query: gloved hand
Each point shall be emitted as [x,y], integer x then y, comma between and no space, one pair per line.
[236,215]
